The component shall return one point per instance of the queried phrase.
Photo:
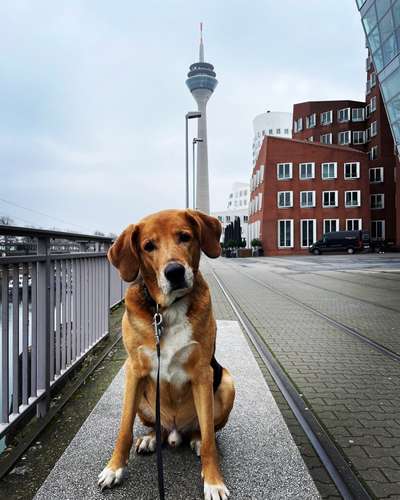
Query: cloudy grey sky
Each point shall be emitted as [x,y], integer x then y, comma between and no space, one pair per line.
[93,96]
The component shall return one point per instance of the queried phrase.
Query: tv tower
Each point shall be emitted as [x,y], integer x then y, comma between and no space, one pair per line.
[201,82]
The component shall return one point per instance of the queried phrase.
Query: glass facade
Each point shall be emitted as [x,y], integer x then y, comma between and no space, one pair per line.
[381,22]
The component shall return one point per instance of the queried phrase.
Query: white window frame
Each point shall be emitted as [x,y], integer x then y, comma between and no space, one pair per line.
[354,114]
[374,128]
[314,235]
[382,221]
[344,137]
[330,222]
[358,198]
[374,170]
[373,79]
[312,170]
[290,170]
[375,197]
[260,199]
[372,104]
[336,199]
[371,155]
[291,222]
[261,174]
[290,197]
[312,199]
[311,120]
[326,117]
[356,136]
[348,113]
[352,221]
[349,177]
[334,163]
[325,138]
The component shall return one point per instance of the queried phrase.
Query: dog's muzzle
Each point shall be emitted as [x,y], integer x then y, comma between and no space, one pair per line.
[175,274]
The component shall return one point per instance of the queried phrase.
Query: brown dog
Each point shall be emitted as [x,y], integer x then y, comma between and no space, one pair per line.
[197,394]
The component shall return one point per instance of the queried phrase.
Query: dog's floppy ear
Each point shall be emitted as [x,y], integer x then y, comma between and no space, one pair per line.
[123,254]
[209,232]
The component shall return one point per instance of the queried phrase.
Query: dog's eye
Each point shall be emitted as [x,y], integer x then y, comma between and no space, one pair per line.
[149,246]
[184,237]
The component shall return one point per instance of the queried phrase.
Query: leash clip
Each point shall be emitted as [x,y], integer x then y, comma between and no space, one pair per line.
[157,322]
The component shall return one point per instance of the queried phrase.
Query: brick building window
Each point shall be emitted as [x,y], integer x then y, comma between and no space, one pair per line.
[344,137]
[329,170]
[376,174]
[358,137]
[352,199]
[377,201]
[357,114]
[374,129]
[353,224]
[285,233]
[306,171]
[352,170]
[372,104]
[311,120]
[378,229]
[344,115]
[373,153]
[326,117]
[284,171]
[329,199]
[326,139]
[285,199]
[331,225]
[308,232]
[307,199]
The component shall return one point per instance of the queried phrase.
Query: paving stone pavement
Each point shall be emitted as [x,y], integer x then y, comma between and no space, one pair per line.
[258,456]
[352,388]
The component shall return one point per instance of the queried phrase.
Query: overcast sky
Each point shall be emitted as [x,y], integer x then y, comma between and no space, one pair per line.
[93,96]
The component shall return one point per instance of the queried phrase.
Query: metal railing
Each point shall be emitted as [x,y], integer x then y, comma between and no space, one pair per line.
[54,309]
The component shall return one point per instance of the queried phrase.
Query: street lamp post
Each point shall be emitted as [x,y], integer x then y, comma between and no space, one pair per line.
[189,116]
[195,141]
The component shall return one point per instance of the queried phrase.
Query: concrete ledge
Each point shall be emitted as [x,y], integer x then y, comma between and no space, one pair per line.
[259,458]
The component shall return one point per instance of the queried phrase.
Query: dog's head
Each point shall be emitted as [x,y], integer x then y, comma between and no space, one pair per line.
[165,247]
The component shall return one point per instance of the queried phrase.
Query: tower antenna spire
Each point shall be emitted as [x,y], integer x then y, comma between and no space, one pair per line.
[201,52]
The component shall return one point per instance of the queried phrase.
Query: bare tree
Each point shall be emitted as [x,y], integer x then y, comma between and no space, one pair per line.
[5,220]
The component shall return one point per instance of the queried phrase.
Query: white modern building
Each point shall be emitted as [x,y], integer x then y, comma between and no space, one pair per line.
[276,123]
[236,206]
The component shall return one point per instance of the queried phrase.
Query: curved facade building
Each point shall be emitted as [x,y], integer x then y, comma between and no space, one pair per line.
[381,22]
[201,82]
[276,123]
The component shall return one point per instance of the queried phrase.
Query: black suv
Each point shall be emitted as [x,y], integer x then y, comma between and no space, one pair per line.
[338,241]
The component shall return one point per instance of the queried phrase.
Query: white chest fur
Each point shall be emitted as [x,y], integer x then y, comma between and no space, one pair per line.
[176,345]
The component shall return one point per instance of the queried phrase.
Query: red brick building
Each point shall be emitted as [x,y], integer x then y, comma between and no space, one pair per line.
[337,173]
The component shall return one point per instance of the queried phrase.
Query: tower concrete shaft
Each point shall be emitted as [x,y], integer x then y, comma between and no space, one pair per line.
[201,83]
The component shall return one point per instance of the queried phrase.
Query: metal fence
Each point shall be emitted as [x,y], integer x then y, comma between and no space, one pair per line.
[54,309]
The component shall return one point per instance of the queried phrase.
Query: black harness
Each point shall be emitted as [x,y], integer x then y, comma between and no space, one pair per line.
[217,369]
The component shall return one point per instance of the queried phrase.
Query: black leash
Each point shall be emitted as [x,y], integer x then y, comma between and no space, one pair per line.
[160,471]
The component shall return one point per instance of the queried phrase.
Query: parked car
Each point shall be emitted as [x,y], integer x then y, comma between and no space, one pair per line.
[342,241]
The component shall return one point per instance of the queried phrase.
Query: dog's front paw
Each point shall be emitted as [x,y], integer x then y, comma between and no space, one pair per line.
[109,477]
[215,491]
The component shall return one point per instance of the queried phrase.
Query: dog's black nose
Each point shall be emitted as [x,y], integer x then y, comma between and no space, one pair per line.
[175,274]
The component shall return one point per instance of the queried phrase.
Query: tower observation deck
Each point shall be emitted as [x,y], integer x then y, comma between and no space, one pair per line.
[201,82]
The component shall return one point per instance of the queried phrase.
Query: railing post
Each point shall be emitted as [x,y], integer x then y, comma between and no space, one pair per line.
[43,326]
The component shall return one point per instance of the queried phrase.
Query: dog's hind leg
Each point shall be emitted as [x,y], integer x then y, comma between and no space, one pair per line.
[147,443]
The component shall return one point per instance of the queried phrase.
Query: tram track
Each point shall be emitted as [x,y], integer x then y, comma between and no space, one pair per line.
[339,325]
[342,475]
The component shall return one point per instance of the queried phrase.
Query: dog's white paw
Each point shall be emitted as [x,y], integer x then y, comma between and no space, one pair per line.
[146,444]
[215,492]
[195,444]
[174,439]
[109,478]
